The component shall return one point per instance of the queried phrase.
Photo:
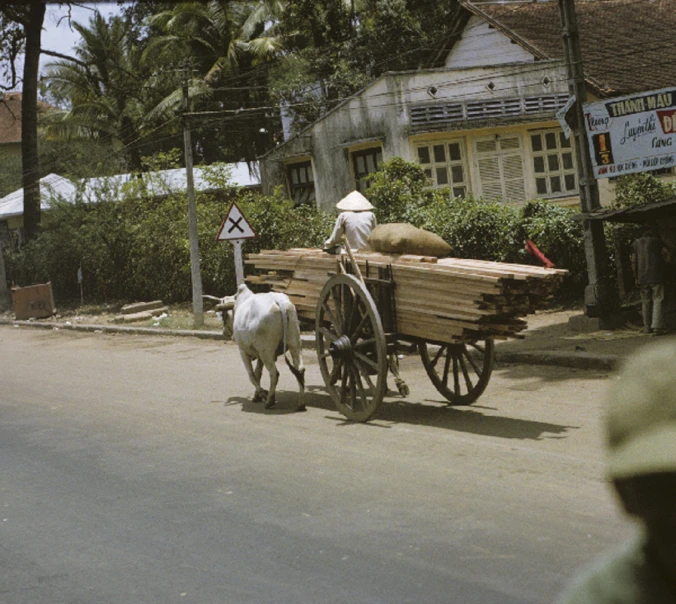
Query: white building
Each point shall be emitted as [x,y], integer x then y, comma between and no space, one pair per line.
[482,120]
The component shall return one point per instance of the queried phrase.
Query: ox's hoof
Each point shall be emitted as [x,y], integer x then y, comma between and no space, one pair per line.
[260,396]
[301,408]
[270,404]
[403,388]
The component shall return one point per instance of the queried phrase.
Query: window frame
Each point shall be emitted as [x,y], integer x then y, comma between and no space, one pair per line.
[302,192]
[564,147]
[433,168]
[376,153]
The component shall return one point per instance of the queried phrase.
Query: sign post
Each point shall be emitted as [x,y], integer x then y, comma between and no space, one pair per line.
[235,228]
[239,263]
[563,116]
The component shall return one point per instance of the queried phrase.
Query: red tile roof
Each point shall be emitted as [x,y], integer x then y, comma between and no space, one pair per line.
[627,45]
[10,118]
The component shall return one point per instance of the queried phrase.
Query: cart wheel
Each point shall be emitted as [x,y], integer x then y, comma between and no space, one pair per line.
[351,347]
[460,372]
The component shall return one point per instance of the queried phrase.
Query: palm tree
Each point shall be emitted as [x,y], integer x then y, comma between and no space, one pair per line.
[230,46]
[106,88]
[219,35]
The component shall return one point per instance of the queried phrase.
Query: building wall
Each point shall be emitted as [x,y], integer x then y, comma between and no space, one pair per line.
[401,112]
[481,44]
[383,115]
[13,149]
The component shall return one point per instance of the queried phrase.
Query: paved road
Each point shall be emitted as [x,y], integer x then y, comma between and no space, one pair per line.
[135,469]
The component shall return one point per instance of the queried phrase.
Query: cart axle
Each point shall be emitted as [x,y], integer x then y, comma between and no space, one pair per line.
[341,348]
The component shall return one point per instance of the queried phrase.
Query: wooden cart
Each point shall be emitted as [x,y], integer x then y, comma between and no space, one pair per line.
[366,306]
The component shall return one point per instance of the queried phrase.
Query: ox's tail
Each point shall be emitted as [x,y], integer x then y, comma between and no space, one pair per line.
[285,325]
[298,372]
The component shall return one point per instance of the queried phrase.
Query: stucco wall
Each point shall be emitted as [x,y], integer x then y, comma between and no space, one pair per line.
[381,114]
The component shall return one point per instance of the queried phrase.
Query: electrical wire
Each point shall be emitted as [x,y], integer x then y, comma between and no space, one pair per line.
[537,66]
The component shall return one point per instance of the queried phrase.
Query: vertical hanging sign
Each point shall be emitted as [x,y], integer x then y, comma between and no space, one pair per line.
[235,228]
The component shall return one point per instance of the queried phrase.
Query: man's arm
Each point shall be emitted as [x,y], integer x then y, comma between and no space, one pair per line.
[337,235]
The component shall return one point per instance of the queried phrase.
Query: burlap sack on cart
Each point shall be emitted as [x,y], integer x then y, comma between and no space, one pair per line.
[403,238]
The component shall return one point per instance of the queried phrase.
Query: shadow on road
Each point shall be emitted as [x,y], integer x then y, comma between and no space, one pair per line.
[471,420]
[432,413]
[286,400]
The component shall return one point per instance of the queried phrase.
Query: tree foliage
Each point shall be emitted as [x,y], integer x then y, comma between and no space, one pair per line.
[245,59]
[109,90]
[335,47]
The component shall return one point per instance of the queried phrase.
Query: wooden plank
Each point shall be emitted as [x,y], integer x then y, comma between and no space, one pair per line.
[460,298]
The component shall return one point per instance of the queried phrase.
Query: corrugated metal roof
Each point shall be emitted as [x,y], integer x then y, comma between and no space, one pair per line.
[162,182]
[645,213]
[51,186]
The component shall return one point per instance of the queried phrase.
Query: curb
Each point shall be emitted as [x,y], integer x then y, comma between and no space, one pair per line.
[574,360]
[146,331]
[578,360]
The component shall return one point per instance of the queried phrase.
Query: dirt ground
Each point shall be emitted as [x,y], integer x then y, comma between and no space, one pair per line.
[568,330]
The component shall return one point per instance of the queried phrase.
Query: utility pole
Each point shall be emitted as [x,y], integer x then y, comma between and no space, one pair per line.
[597,296]
[197,302]
[4,291]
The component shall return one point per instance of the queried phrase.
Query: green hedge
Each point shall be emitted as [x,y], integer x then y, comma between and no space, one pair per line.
[135,247]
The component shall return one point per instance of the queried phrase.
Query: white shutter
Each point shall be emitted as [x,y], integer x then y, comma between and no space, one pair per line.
[512,176]
[489,175]
[500,168]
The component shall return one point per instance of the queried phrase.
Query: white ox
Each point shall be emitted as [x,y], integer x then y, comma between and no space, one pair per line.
[264,326]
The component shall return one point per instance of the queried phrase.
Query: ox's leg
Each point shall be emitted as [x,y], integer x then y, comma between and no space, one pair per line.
[258,372]
[298,370]
[402,386]
[254,376]
[261,393]
[274,376]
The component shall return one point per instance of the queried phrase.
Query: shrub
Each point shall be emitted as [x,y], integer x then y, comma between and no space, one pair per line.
[131,245]
[640,189]
[476,228]
[137,247]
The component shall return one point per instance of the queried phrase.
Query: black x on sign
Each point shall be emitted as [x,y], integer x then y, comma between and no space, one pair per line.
[235,226]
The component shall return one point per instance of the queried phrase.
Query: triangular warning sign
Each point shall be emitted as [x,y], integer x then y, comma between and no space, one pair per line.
[235,226]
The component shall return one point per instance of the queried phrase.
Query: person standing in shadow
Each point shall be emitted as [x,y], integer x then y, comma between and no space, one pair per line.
[647,263]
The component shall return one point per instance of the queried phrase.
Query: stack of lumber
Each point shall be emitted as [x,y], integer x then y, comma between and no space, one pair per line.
[444,300]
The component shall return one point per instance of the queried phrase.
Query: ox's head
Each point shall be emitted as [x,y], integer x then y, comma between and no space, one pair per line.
[227,306]
[227,309]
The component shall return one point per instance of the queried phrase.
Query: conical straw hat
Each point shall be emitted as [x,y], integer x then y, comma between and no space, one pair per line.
[354,202]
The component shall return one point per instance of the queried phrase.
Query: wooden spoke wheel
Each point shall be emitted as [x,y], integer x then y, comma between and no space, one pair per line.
[460,372]
[351,347]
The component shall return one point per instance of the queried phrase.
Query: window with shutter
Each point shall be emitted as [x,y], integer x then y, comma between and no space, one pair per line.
[364,163]
[500,164]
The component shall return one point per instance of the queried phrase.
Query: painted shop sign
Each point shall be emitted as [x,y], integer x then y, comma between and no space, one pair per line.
[634,133]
